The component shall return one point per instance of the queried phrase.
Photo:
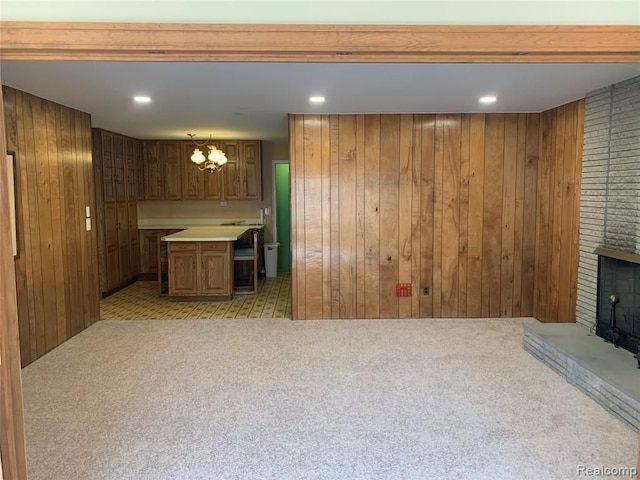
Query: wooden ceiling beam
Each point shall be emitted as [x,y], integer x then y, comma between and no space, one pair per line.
[318,43]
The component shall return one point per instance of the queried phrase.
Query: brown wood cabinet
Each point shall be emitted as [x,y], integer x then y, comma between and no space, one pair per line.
[251,171]
[116,159]
[193,180]
[231,171]
[153,171]
[201,269]
[169,173]
[171,155]
[149,250]
[163,165]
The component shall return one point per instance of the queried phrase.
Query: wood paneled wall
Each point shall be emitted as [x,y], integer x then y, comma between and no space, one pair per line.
[558,215]
[448,202]
[56,272]
[12,440]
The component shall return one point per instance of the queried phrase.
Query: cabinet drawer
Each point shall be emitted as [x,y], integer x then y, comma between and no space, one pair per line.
[214,246]
[182,246]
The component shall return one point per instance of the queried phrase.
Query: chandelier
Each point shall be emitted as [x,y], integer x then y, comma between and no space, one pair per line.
[214,160]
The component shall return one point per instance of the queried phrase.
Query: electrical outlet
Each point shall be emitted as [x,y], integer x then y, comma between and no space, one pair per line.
[425,290]
[267,210]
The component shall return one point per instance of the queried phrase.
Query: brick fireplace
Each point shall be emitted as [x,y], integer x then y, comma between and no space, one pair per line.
[610,199]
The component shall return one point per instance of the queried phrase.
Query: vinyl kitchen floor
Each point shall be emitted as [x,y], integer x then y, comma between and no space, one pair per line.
[140,301]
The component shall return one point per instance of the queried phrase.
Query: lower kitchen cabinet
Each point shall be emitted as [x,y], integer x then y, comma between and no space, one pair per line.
[201,269]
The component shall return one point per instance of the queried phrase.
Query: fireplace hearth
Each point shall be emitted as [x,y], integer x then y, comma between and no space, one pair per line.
[618,307]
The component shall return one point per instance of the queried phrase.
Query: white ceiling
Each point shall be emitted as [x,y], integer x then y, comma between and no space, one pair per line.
[251,100]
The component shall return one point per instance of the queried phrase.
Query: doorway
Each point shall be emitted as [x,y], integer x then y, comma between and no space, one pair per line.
[282,210]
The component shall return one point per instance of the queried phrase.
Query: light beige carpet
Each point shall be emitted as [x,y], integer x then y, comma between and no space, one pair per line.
[276,399]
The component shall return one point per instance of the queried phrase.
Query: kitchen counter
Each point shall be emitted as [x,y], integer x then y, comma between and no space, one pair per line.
[165,224]
[226,233]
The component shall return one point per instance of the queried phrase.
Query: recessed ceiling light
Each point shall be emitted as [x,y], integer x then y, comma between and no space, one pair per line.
[140,99]
[316,99]
[488,99]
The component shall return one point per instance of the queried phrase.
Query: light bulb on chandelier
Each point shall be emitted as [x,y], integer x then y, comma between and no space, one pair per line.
[214,160]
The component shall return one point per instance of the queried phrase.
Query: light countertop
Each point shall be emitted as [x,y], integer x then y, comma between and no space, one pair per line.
[168,223]
[209,234]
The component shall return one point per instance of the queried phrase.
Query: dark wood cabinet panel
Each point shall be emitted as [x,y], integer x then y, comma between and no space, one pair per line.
[116,171]
[215,273]
[112,268]
[123,223]
[202,269]
[251,171]
[183,273]
[119,167]
[193,180]
[131,176]
[231,171]
[132,224]
[212,185]
[169,173]
[149,251]
[171,155]
[153,171]
[139,155]
[111,225]
[105,156]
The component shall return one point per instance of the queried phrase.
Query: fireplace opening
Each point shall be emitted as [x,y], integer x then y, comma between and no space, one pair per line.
[618,307]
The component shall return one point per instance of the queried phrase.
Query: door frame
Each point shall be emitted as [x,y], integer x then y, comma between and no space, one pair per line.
[155,42]
[274,211]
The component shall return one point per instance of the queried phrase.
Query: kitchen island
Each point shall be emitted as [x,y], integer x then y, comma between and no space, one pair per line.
[200,262]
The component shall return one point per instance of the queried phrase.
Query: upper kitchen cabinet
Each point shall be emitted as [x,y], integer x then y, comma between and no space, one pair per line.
[169,173]
[193,181]
[132,171]
[153,171]
[163,170]
[242,175]
[231,170]
[251,170]
[171,153]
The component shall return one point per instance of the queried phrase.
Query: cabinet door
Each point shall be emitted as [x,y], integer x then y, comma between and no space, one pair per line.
[193,180]
[231,172]
[171,155]
[131,169]
[108,173]
[123,241]
[152,171]
[112,247]
[213,185]
[134,258]
[215,273]
[183,279]
[134,246]
[113,269]
[111,225]
[119,168]
[251,171]
[139,171]
[149,251]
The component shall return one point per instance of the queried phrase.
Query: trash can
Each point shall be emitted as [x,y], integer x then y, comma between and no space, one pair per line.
[271,259]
